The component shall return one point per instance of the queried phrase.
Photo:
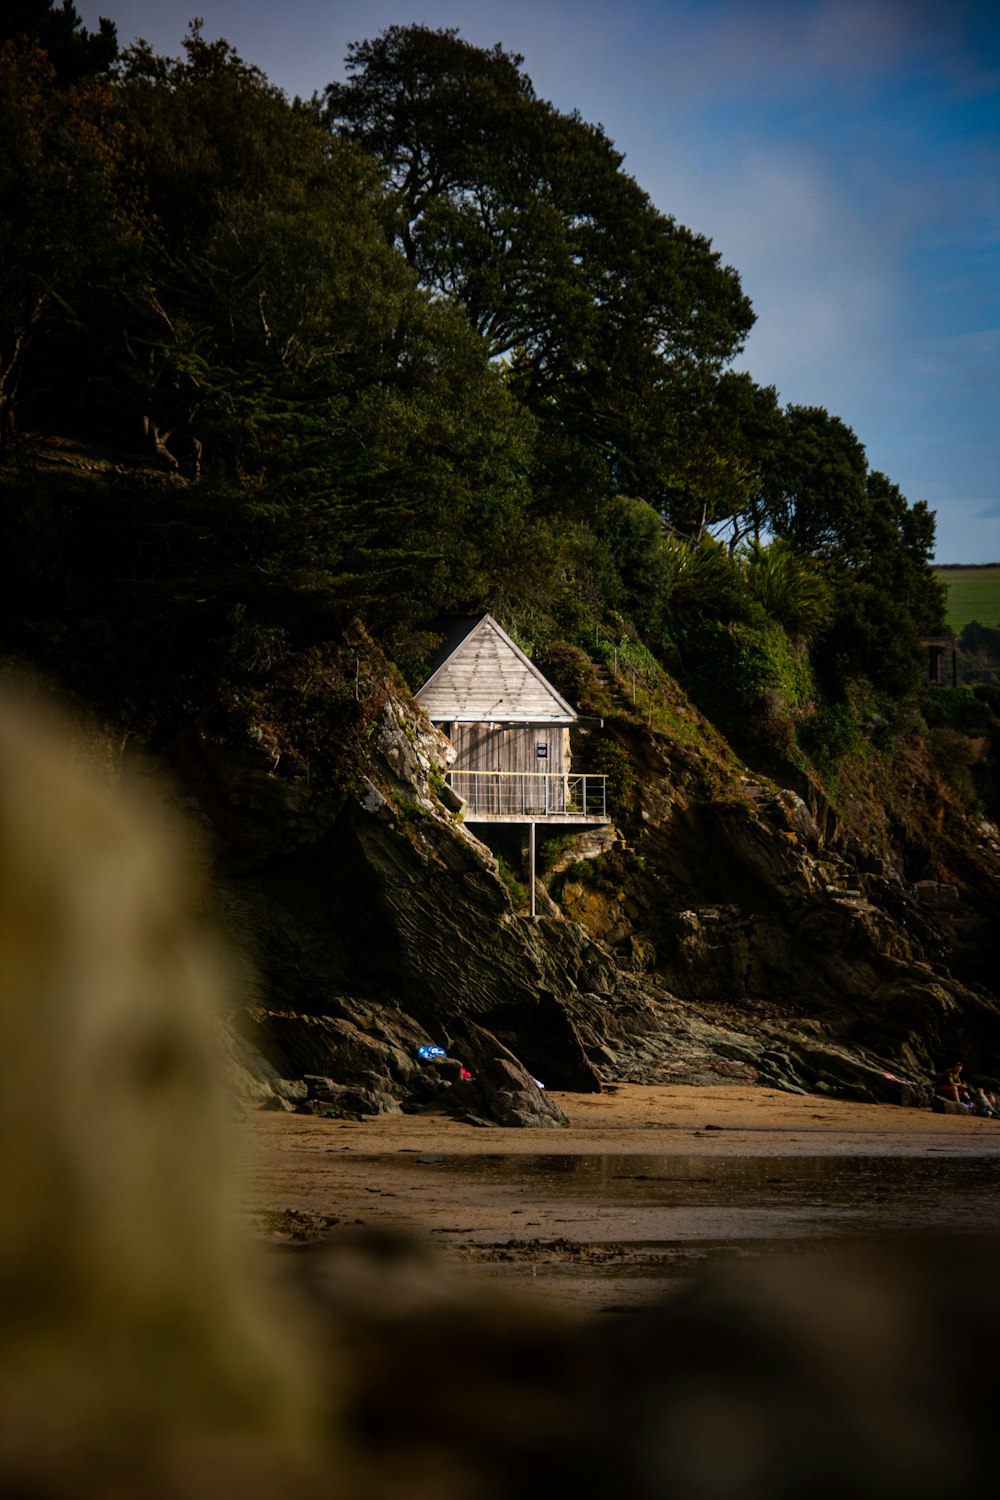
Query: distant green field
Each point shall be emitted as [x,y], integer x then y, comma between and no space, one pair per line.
[973,594]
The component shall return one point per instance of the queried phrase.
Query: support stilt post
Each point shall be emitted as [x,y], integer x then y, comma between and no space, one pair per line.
[531,865]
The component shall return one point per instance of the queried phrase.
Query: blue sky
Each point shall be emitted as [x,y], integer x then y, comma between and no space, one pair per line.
[843,155]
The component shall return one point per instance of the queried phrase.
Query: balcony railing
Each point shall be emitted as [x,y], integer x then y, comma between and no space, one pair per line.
[531,794]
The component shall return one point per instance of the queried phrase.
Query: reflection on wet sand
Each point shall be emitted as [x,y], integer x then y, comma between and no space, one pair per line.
[621,1230]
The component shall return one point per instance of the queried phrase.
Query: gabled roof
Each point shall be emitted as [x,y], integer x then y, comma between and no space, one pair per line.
[483,677]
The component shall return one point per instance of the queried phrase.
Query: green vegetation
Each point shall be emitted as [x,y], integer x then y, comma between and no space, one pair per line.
[957,708]
[418,345]
[519,893]
[588,872]
[610,760]
[551,849]
[972,594]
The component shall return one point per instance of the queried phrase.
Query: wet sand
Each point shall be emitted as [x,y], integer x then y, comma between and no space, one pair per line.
[646,1186]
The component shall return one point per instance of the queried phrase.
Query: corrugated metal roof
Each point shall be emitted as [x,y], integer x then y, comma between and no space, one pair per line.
[485,677]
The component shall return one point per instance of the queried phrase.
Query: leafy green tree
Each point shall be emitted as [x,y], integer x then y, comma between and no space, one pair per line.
[420,344]
[981,640]
[873,636]
[813,490]
[63,222]
[426,104]
[633,533]
[886,596]
[601,305]
[818,497]
[749,678]
[261,252]
[278,333]
[73,52]
[898,551]
[344,441]
[726,428]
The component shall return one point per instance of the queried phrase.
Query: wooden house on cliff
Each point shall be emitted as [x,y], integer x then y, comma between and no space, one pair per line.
[510,729]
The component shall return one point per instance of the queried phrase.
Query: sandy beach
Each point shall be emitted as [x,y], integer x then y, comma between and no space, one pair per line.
[646,1185]
[718,1291]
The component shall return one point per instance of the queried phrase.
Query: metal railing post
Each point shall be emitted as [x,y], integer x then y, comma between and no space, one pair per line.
[563,794]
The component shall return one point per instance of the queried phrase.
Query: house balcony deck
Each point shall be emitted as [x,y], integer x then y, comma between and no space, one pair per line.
[531,796]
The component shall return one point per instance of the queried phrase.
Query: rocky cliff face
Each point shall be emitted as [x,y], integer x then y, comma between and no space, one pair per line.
[728,928]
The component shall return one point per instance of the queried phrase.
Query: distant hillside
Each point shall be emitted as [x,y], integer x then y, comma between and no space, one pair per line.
[973,594]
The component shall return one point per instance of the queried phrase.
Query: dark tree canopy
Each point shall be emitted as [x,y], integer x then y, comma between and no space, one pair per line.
[725,433]
[64,223]
[421,344]
[813,490]
[73,51]
[898,551]
[818,494]
[603,307]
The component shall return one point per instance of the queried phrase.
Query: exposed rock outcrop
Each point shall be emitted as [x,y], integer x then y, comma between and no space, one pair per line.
[739,933]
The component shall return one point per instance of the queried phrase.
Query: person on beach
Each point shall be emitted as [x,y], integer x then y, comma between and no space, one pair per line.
[952,1089]
[984,1103]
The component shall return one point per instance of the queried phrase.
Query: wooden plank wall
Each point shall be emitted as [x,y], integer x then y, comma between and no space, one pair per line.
[482,748]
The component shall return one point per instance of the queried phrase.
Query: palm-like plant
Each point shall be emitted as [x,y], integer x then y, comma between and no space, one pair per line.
[792,589]
[698,577]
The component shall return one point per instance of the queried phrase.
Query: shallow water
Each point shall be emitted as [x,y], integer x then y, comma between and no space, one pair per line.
[619,1230]
[882,1192]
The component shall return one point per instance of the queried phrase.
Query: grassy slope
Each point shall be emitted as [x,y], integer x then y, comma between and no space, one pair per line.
[973,594]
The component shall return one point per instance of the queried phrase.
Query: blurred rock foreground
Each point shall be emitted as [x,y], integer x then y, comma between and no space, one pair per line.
[726,928]
[817,1375]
